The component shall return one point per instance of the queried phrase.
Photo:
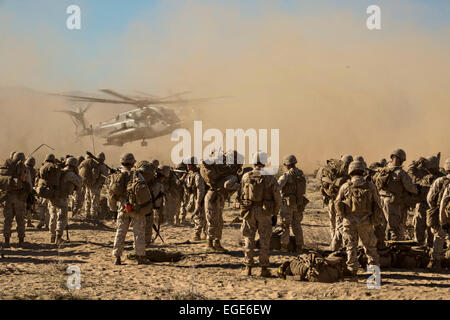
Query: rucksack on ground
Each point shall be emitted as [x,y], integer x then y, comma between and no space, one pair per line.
[89,171]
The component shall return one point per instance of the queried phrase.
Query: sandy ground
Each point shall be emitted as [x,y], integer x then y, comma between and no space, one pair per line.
[39,270]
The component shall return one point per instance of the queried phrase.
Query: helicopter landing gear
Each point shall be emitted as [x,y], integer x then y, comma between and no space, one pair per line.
[144,143]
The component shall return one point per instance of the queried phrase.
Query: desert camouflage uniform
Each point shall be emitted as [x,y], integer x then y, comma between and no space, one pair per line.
[214,205]
[433,215]
[358,225]
[78,201]
[15,205]
[33,173]
[173,194]
[92,194]
[291,216]
[59,207]
[124,220]
[259,219]
[394,207]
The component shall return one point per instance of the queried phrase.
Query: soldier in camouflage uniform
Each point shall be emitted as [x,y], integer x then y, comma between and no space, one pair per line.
[79,198]
[436,200]
[215,200]
[422,233]
[261,201]
[70,182]
[124,220]
[173,190]
[359,205]
[195,186]
[93,192]
[15,205]
[330,189]
[394,193]
[180,216]
[293,187]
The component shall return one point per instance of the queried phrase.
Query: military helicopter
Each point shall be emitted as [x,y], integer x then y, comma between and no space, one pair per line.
[150,120]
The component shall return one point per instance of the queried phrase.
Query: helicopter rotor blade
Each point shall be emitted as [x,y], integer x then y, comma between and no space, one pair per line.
[116,94]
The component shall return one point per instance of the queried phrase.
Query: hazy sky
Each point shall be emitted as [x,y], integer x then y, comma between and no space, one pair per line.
[105,25]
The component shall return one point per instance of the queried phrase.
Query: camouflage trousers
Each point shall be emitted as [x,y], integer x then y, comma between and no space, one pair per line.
[214,204]
[200,222]
[171,208]
[58,217]
[182,213]
[336,227]
[257,220]
[14,207]
[78,201]
[92,202]
[123,223]
[44,215]
[438,242]
[365,233]
[395,215]
[291,218]
[422,233]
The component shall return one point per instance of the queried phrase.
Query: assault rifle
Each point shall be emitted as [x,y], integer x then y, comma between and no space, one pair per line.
[111,170]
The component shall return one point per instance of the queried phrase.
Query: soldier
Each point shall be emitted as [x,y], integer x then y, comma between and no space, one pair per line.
[436,200]
[216,196]
[94,184]
[333,176]
[173,193]
[293,187]
[124,220]
[44,215]
[15,205]
[155,163]
[359,205]
[79,198]
[147,170]
[70,182]
[30,164]
[261,201]
[394,184]
[180,216]
[422,233]
[196,186]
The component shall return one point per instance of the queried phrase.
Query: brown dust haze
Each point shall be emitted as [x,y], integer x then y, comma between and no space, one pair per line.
[327,83]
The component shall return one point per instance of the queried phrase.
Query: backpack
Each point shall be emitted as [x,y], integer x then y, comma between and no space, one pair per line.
[331,177]
[89,171]
[382,177]
[215,174]
[253,187]
[117,187]
[13,169]
[313,267]
[49,181]
[358,198]
[139,196]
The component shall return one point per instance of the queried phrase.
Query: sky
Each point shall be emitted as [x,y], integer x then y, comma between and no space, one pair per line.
[106,23]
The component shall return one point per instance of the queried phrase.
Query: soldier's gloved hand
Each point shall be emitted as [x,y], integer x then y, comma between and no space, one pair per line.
[274,220]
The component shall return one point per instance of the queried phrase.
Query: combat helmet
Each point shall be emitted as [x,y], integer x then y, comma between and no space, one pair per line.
[356,166]
[433,162]
[289,160]
[101,157]
[399,153]
[447,165]
[50,158]
[145,167]
[30,162]
[164,170]
[127,159]
[260,158]
[346,158]
[71,162]
[19,156]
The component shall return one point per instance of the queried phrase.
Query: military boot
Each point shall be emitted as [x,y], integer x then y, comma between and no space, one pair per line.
[40,225]
[21,242]
[30,224]
[435,265]
[247,271]
[197,238]
[265,272]
[52,238]
[210,245]
[118,261]
[143,260]
[7,244]
[218,246]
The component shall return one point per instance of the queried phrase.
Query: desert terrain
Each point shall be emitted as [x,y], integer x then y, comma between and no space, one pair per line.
[39,270]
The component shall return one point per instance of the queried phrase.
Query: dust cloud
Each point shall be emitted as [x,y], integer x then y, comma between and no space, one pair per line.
[330,85]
